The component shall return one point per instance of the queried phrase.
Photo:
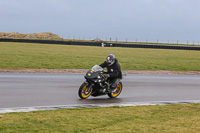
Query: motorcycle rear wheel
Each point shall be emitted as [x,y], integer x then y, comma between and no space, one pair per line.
[84,92]
[119,90]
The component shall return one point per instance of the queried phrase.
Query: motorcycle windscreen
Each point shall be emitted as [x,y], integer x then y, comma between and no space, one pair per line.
[94,72]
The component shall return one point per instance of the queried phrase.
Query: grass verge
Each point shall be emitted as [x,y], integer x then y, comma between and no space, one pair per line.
[45,56]
[175,118]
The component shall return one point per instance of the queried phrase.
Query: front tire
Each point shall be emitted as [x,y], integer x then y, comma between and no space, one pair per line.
[118,91]
[84,92]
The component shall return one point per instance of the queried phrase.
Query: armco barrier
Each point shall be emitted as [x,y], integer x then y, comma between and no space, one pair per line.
[155,46]
[51,42]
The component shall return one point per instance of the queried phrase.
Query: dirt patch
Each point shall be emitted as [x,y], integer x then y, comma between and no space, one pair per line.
[157,72]
[162,72]
[43,35]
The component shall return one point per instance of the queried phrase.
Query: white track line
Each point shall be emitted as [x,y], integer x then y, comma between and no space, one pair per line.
[37,108]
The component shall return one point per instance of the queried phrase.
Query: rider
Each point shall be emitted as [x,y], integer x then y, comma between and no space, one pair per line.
[114,71]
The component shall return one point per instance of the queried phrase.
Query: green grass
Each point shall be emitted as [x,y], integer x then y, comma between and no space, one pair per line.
[181,118]
[41,56]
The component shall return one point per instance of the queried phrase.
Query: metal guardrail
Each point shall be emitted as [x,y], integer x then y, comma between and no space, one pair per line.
[155,46]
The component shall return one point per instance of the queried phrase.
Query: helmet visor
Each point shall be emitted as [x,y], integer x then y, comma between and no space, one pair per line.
[109,61]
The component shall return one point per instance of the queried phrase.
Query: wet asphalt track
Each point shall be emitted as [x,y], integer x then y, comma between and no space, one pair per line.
[27,90]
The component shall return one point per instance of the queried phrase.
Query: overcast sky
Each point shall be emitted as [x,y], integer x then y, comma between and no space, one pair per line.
[142,19]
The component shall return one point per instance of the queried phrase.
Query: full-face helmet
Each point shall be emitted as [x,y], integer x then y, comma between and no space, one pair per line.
[110,59]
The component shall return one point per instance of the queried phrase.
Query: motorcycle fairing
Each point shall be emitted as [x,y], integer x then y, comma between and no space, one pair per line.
[93,72]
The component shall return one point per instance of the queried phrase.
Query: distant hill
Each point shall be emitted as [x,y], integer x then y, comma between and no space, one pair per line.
[43,35]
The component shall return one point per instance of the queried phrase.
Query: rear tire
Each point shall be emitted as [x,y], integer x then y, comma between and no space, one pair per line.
[119,90]
[84,92]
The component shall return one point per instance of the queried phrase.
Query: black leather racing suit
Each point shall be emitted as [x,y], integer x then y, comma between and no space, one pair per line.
[114,71]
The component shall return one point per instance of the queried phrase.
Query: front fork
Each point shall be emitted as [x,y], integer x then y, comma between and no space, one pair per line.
[88,89]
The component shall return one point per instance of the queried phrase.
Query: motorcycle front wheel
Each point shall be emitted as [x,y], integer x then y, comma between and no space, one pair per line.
[117,92]
[85,91]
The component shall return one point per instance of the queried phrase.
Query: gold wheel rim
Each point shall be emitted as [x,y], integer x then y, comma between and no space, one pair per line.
[119,86]
[83,92]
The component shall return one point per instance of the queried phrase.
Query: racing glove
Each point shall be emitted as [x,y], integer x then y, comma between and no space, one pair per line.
[106,75]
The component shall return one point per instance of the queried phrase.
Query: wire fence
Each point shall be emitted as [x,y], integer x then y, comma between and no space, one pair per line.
[112,40]
[126,40]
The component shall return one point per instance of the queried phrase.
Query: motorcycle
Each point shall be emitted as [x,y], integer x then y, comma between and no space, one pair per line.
[97,84]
